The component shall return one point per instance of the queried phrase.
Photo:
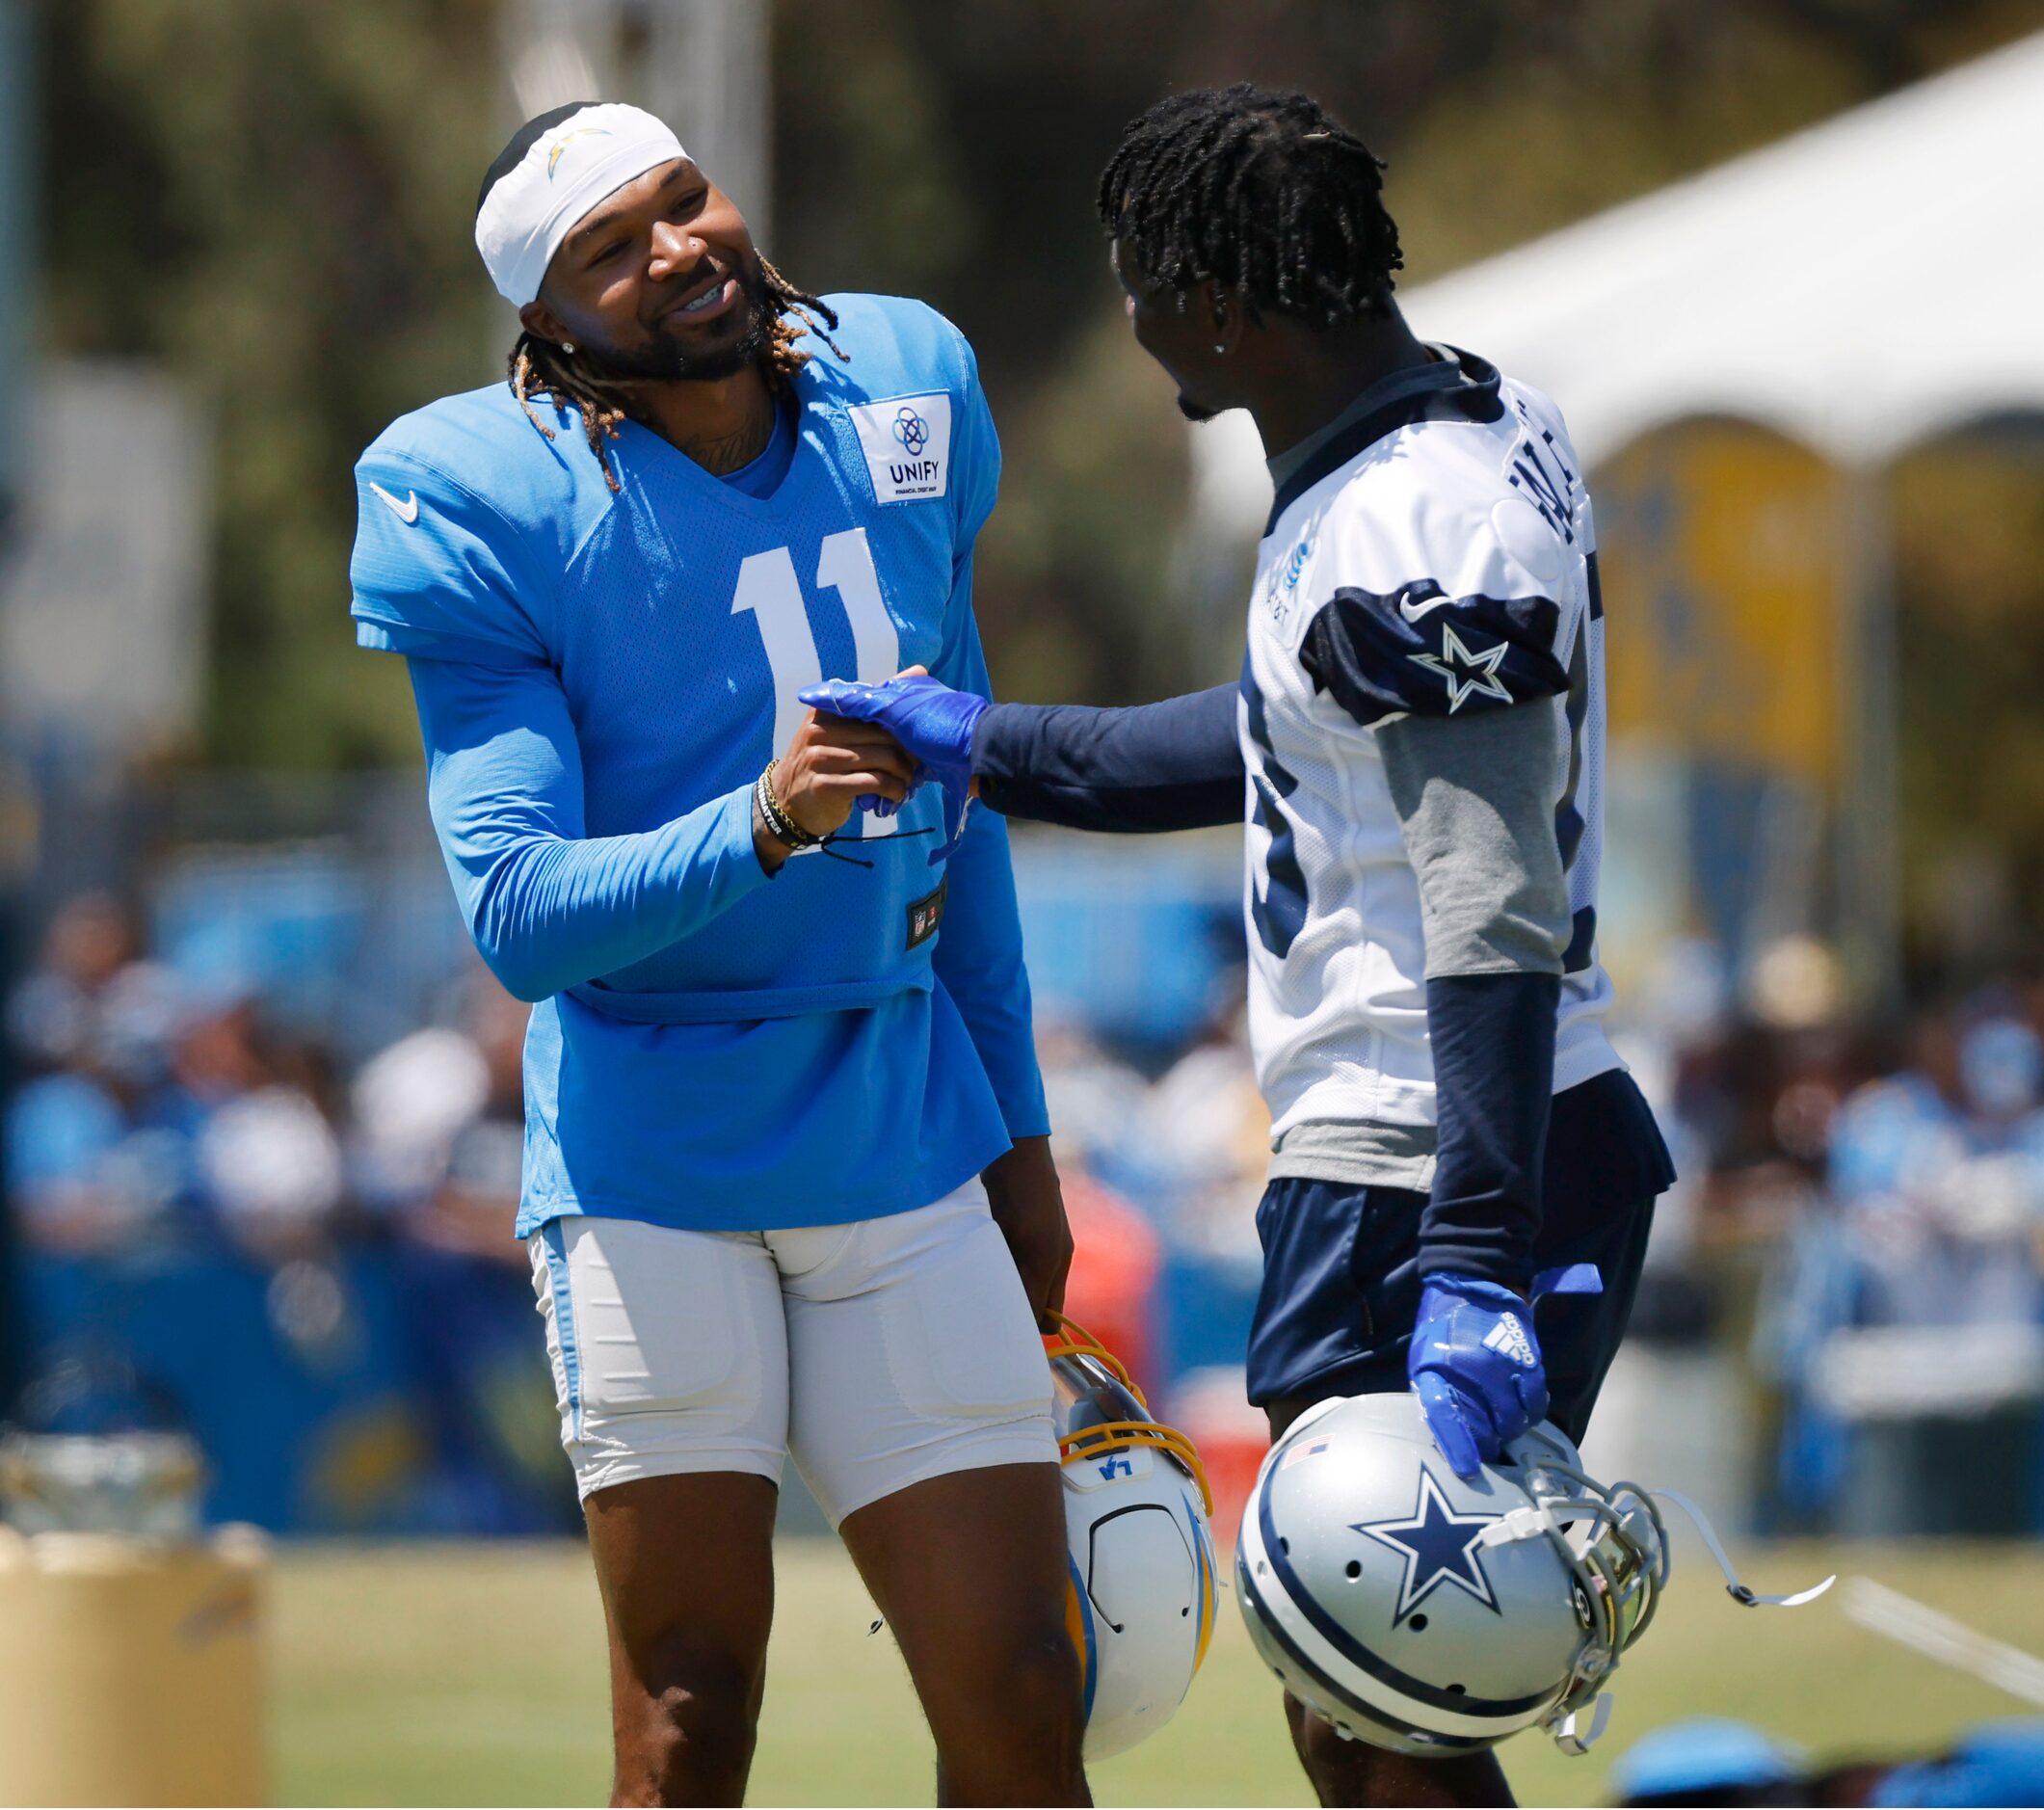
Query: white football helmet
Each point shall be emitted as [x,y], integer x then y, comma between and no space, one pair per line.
[1432,1616]
[1140,1603]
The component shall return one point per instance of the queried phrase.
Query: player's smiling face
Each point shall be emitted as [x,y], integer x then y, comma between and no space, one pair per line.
[659,280]
[1168,326]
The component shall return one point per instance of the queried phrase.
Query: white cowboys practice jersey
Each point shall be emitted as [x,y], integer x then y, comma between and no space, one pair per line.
[1438,557]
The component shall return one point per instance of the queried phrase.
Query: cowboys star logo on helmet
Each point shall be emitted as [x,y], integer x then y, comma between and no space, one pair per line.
[1470,1609]
[1439,1546]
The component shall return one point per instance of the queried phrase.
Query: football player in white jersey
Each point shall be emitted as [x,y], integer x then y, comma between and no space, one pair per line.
[1417,742]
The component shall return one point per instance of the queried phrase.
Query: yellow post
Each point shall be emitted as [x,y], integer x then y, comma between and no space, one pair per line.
[130,1670]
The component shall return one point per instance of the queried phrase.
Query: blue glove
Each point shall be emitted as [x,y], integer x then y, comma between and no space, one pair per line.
[933,723]
[1475,1366]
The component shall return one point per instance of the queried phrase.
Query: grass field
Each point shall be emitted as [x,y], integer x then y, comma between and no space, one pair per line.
[466,1674]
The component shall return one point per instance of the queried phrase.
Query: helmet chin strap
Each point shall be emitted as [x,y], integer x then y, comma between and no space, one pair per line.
[1572,1738]
[1735,1591]
[1538,1520]
[1529,1523]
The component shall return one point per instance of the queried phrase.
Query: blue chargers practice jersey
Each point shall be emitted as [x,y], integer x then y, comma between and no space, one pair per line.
[836,1043]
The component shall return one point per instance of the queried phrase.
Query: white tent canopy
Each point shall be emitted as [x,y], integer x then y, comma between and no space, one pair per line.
[1860,287]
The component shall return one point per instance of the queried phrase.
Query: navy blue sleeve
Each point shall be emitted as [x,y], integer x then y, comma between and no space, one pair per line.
[1493,1042]
[1419,651]
[1173,765]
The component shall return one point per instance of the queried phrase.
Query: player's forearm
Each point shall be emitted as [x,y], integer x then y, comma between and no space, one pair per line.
[1492,1037]
[1173,765]
[1475,800]
[547,906]
[548,912]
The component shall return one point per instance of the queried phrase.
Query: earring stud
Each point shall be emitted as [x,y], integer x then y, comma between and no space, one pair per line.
[569,346]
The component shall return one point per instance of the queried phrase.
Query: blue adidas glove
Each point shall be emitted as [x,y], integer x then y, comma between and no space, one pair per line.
[1475,1364]
[933,723]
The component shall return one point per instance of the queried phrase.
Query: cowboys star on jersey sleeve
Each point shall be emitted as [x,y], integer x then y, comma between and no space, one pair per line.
[1441,619]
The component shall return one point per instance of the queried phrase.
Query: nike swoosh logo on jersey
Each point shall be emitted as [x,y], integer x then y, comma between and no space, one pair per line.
[1412,611]
[408,511]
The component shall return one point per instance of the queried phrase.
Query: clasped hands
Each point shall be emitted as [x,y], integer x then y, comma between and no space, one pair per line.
[871,746]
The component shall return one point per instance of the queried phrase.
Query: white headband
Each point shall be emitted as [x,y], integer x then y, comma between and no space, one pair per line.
[565,173]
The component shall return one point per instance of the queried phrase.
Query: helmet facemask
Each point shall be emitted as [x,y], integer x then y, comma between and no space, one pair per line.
[1613,1542]
[1099,1408]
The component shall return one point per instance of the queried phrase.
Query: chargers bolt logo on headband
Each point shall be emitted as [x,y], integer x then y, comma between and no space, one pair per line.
[561,144]
[556,169]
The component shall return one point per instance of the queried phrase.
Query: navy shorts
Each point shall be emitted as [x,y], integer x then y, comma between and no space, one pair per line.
[1340,1263]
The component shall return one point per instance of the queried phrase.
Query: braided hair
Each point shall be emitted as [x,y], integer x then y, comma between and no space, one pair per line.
[536,366]
[1261,191]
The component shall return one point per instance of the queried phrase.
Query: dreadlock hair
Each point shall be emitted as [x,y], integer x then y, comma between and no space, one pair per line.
[536,366]
[1261,191]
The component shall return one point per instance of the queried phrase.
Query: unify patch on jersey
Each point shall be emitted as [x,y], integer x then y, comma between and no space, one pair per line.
[925,914]
[907,443]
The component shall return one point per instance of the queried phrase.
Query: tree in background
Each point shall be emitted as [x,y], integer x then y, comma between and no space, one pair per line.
[274,199]
[271,198]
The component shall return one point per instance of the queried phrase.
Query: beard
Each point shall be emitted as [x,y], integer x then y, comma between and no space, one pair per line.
[663,360]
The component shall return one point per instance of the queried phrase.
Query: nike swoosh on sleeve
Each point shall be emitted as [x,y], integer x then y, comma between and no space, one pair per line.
[408,511]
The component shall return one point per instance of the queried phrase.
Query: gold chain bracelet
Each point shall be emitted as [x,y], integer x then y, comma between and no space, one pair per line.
[777,820]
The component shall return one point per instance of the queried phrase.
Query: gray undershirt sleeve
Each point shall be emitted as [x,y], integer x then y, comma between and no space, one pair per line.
[1475,798]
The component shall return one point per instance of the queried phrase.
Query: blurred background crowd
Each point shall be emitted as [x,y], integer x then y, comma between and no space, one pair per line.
[261,1116]
[295,1242]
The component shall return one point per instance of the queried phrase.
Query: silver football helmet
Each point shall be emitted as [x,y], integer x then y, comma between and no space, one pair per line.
[1433,1615]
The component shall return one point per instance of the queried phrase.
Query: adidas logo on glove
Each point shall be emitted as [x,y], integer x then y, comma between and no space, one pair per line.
[1509,1339]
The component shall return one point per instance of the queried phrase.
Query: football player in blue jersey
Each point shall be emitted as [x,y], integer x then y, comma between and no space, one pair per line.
[1415,743]
[787,1181]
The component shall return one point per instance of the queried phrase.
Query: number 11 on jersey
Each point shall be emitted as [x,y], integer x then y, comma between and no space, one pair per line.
[768,588]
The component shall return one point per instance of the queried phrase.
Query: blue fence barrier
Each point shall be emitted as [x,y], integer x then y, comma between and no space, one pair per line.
[382,1391]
